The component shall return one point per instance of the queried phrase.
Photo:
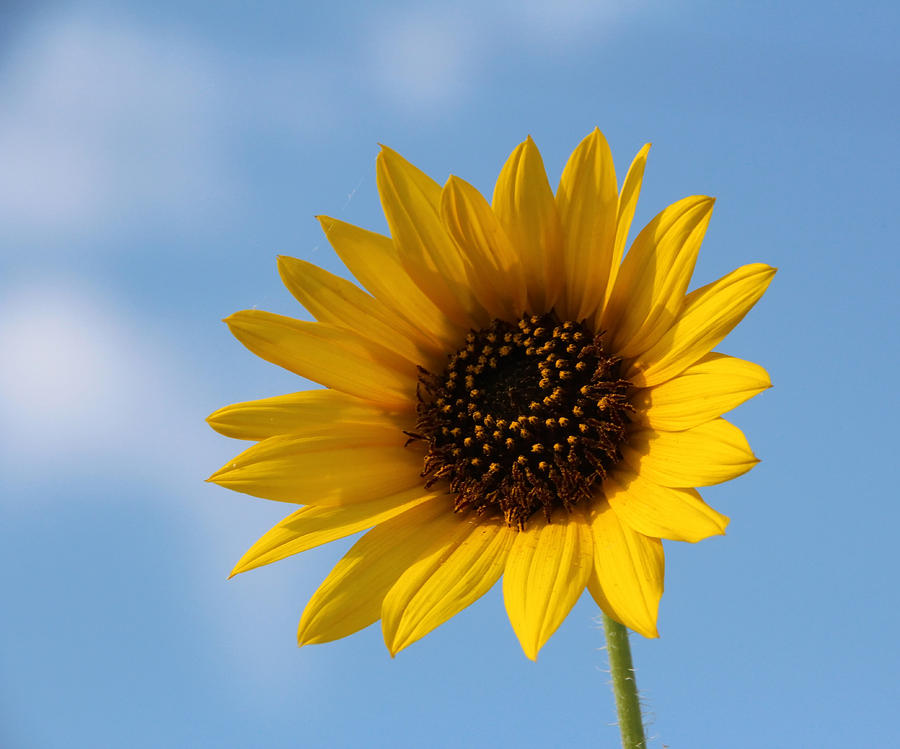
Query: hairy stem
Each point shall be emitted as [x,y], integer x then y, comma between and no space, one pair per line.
[624,685]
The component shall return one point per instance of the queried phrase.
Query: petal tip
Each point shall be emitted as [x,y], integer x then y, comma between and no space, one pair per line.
[386,152]
[218,477]
[234,320]
[239,567]
[215,421]
[648,630]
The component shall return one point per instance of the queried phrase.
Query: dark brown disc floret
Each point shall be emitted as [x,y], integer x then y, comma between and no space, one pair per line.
[527,416]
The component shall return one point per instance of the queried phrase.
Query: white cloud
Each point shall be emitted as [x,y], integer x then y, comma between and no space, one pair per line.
[103,124]
[563,22]
[79,381]
[90,402]
[425,56]
[106,126]
[421,57]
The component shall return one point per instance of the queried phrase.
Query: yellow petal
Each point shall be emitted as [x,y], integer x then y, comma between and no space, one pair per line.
[493,267]
[336,301]
[651,283]
[328,355]
[373,259]
[454,573]
[411,203]
[523,202]
[308,413]
[701,456]
[350,598]
[628,198]
[627,579]
[309,527]
[661,511]
[708,315]
[587,199]
[705,390]
[546,572]
[355,463]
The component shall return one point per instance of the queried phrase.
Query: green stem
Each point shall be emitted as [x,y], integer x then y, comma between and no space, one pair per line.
[624,685]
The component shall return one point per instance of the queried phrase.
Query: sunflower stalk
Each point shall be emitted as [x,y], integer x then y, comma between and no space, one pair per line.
[624,685]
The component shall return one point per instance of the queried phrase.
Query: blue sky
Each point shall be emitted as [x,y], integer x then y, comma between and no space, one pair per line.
[155,158]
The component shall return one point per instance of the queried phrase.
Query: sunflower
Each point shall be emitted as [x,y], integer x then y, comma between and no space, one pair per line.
[514,397]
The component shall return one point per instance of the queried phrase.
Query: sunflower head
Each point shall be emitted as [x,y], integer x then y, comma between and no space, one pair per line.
[526,417]
[514,397]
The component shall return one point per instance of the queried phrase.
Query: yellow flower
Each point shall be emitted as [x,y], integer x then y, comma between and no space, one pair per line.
[511,398]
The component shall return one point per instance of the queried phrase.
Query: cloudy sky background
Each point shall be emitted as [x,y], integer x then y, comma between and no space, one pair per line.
[154,159]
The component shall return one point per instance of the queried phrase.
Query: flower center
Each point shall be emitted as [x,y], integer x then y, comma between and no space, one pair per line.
[527,416]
